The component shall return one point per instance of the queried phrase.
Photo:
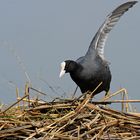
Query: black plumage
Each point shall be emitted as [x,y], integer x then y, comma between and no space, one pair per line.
[92,69]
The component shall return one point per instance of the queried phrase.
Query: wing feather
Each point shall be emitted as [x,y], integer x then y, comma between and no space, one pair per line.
[100,38]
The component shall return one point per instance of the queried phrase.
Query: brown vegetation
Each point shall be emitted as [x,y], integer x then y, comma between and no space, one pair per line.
[63,119]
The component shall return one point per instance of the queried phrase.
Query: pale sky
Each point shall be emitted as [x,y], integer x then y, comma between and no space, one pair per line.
[43,33]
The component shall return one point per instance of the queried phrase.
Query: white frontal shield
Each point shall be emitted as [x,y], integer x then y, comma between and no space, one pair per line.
[62,72]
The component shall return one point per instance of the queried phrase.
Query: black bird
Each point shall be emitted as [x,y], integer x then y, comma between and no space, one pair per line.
[90,70]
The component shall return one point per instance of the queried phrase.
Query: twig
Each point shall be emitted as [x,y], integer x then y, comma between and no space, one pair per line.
[17,94]
[14,104]
[123,95]
[114,94]
[19,60]
[37,91]
[27,93]
[115,101]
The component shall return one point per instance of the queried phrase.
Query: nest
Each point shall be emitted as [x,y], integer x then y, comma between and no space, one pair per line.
[73,119]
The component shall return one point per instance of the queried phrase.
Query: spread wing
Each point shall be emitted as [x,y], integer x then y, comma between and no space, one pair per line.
[100,38]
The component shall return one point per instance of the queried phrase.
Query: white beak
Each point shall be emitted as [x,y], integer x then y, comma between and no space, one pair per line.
[62,72]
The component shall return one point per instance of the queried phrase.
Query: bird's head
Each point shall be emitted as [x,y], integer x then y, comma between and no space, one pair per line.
[68,66]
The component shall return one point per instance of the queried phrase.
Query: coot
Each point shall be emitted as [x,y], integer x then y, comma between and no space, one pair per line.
[90,70]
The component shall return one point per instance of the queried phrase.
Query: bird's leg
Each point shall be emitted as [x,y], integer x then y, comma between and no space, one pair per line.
[107,93]
[74,92]
[80,98]
[83,95]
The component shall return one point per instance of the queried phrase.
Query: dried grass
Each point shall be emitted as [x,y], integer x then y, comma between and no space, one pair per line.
[75,119]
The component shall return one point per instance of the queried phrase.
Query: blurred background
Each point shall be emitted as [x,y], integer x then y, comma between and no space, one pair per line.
[36,36]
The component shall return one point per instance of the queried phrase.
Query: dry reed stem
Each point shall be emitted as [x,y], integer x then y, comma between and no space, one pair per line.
[69,119]
[114,94]
[17,94]
[40,92]
[116,101]
[14,104]
[123,98]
